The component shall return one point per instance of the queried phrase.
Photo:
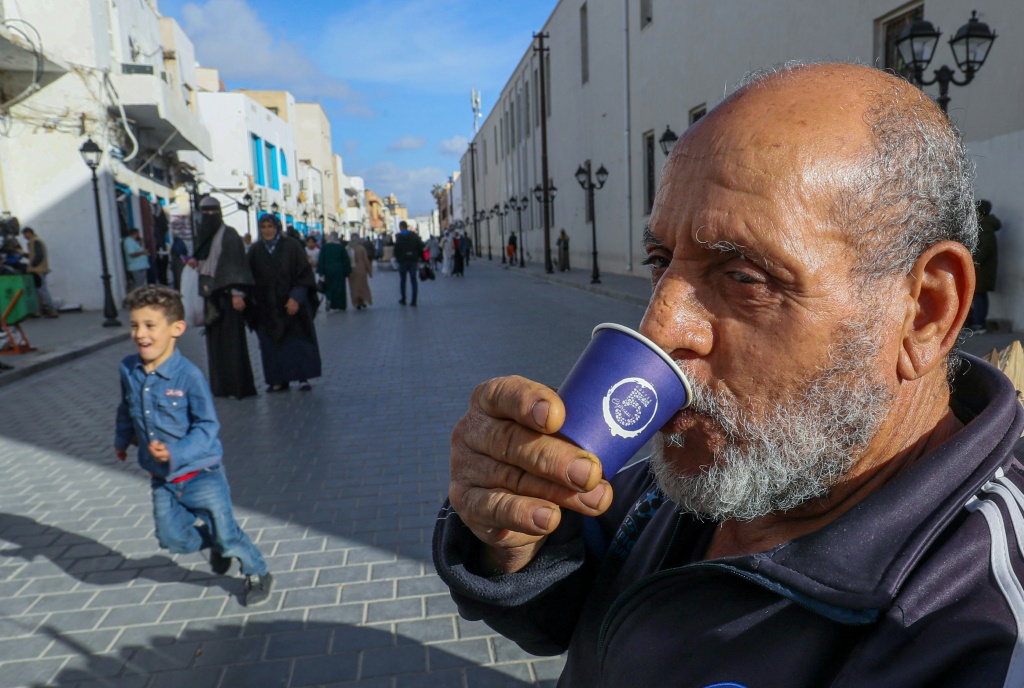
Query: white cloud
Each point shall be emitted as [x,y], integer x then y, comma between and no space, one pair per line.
[229,36]
[411,185]
[454,147]
[407,143]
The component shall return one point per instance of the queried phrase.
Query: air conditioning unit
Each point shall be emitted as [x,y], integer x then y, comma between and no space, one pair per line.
[287,189]
[303,185]
[318,198]
[259,194]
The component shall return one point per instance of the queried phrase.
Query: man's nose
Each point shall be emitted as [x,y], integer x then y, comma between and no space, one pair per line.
[677,321]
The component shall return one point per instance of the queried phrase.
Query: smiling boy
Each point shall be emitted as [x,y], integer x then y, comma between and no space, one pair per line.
[167,410]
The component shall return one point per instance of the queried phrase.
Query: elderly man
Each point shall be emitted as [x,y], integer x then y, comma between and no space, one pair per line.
[827,512]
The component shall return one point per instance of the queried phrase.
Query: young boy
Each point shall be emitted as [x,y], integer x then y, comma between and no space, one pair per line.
[167,409]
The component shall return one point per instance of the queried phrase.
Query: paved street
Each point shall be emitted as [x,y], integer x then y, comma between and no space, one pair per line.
[339,488]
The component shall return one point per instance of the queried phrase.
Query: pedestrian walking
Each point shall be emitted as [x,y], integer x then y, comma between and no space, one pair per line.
[362,270]
[465,247]
[335,266]
[312,251]
[281,306]
[39,268]
[986,258]
[167,410]
[563,251]
[433,249]
[448,253]
[408,252]
[510,249]
[136,258]
[224,280]
[459,265]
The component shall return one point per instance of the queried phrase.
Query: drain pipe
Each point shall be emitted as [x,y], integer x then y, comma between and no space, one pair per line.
[629,152]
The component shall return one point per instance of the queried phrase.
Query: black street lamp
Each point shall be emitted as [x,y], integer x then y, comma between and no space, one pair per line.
[245,204]
[916,45]
[667,140]
[547,202]
[274,207]
[583,177]
[519,205]
[501,228]
[92,154]
[488,215]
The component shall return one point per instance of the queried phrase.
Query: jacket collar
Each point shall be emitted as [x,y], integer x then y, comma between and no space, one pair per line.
[861,560]
[167,369]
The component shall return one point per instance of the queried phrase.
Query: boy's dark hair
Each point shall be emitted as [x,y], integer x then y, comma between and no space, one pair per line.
[164,298]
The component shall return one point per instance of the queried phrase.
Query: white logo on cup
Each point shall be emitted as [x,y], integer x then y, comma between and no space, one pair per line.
[629,407]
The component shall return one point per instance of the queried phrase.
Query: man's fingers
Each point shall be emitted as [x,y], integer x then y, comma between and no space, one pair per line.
[523,401]
[501,510]
[551,458]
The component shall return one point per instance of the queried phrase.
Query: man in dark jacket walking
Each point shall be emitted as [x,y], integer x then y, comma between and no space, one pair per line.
[986,258]
[409,253]
[828,512]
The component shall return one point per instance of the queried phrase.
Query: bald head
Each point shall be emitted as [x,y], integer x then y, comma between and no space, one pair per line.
[894,170]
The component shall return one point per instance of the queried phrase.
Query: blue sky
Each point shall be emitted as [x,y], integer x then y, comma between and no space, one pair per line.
[394,76]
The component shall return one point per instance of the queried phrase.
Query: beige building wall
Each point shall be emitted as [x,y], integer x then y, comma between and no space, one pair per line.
[313,140]
[281,103]
[687,57]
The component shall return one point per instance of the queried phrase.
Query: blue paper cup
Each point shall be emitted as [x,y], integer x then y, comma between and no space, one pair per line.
[622,390]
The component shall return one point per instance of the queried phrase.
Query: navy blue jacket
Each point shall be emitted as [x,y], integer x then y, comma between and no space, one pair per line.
[916,586]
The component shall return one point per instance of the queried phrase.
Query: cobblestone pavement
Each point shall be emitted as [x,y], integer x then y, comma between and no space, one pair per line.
[338,487]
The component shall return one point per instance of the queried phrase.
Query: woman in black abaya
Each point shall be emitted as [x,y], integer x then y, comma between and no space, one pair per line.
[281,306]
[224,278]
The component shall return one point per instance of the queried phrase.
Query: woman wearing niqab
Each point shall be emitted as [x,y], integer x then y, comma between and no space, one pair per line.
[281,306]
[224,281]
[362,269]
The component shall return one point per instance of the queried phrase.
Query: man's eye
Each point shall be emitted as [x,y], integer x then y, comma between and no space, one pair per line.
[745,278]
[656,261]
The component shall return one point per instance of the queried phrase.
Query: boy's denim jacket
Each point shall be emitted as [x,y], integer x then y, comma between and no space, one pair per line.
[172,404]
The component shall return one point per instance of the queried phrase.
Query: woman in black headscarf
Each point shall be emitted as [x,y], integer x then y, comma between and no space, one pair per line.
[281,307]
[224,279]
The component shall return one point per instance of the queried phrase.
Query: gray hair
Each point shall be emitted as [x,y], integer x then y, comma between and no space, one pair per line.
[914,191]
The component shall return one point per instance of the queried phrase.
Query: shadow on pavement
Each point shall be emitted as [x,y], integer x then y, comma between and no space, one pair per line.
[92,562]
[284,654]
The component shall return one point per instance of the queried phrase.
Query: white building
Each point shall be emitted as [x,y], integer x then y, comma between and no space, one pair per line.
[352,212]
[618,74]
[130,86]
[253,152]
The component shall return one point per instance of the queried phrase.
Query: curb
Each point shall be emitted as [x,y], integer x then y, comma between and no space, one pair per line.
[57,357]
[594,289]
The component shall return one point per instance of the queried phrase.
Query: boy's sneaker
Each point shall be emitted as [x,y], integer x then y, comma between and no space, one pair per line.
[219,563]
[257,589]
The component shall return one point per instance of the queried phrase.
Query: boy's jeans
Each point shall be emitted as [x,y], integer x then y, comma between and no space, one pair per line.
[208,497]
[408,268]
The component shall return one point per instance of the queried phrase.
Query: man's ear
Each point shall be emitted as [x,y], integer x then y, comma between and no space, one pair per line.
[178,328]
[940,287]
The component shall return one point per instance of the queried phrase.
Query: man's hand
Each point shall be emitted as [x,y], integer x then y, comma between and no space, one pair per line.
[192,263]
[158,450]
[292,306]
[121,454]
[238,303]
[509,476]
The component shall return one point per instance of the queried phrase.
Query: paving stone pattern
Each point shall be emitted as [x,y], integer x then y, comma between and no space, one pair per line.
[338,487]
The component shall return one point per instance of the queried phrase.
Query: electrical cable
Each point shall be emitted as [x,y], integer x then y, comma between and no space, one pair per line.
[124,118]
[36,51]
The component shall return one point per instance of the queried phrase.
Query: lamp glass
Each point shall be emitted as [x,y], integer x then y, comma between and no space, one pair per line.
[91,153]
[551,190]
[916,44]
[582,175]
[538,193]
[667,140]
[602,176]
[971,44]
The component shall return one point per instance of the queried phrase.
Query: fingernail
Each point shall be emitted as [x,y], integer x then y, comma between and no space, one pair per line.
[592,498]
[542,517]
[540,413]
[578,472]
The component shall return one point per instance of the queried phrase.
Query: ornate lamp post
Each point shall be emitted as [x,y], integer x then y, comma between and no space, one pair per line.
[245,204]
[547,200]
[274,208]
[305,220]
[91,154]
[667,140]
[519,205]
[583,177]
[501,228]
[916,45]
[488,215]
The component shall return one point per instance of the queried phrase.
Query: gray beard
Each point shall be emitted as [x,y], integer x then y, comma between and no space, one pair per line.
[792,452]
